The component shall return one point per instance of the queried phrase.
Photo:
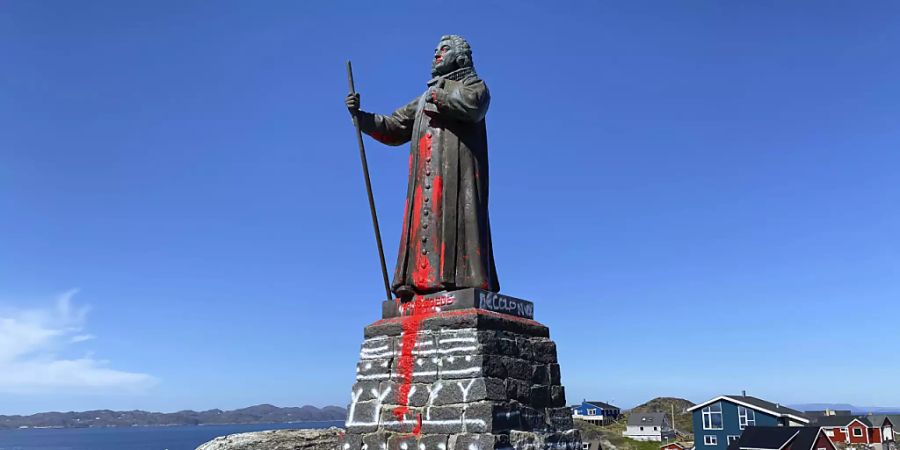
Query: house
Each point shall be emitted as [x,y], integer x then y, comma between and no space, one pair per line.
[676,446]
[591,445]
[846,429]
[782,438]
[600,413]
[889,431]
[719,422]
[648,427]
[857,431]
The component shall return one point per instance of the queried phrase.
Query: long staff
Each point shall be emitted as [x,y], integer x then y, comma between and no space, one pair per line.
[365,168]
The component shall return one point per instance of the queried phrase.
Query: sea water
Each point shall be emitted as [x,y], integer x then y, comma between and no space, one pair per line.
[133,438]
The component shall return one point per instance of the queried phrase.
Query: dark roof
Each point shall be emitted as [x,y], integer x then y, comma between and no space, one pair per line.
[602,405]
[758,402]
[774,438]
[806,438]
[878,419]
[839,421]
[638,419]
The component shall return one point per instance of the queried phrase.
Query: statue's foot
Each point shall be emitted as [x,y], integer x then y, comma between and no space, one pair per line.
[406,293]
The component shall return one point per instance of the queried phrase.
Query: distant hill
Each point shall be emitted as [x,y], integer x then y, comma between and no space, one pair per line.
[107,418]
[845,407]
[683,420]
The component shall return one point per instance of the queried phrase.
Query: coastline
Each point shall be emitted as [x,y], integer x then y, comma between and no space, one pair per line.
[335,423]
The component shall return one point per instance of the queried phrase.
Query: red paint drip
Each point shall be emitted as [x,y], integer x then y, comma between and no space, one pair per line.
[421,269]
[421,276]
[417,430]
[421,310]
[436,193]
[465,312]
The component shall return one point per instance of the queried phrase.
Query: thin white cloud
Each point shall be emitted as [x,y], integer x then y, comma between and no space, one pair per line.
[31,341]
[81,338]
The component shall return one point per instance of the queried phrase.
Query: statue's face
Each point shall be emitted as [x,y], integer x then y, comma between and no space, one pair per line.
[444,60]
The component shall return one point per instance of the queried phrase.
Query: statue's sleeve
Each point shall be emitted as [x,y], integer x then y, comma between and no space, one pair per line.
[468,103]
[395,129]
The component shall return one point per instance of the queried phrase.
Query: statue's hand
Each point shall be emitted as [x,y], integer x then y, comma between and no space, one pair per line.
[352,102]
[436,95]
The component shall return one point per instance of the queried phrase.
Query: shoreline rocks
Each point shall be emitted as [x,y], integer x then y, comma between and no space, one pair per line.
[302,439]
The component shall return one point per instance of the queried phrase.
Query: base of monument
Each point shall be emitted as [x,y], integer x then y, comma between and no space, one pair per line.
[466,379]
[462,299]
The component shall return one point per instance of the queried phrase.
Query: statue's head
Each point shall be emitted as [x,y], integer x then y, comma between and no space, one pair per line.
[451,53]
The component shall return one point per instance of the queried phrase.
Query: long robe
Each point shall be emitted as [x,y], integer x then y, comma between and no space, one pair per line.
[446,239]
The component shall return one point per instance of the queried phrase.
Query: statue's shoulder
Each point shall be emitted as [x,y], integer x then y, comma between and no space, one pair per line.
[472,79]
[469,81]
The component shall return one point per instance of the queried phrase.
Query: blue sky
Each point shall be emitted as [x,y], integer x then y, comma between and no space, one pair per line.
[700,197]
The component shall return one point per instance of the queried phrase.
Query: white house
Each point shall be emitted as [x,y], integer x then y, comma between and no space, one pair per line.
[649,427]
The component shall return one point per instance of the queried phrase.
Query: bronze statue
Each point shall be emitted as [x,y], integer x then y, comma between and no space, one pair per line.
[446,239]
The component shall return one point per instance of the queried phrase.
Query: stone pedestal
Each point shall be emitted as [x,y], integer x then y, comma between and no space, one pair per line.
[450,372]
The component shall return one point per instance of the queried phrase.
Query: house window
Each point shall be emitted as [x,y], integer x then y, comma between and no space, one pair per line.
[857,432]
[585,446]
[710,439]
[642,428]
[746,417]
[712,417]
[655,428]
[732,439]
[592,412]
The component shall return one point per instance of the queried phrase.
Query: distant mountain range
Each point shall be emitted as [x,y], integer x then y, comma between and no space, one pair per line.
[845,407]
[107,418]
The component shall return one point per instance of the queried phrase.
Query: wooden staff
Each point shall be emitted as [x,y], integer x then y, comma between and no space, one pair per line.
[365,168]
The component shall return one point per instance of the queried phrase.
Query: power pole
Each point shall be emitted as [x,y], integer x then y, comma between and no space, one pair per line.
[674,427]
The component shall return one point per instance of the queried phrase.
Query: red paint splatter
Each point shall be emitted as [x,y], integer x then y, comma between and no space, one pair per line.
[420,310]
[421,269]
[437,192]
[417,430]
[424,147]
[422,276]
[464,312]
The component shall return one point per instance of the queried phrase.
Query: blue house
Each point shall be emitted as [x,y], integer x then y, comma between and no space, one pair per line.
[599,413]
[721,421]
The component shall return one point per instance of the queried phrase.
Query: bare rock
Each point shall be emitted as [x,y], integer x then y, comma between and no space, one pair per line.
[320,439]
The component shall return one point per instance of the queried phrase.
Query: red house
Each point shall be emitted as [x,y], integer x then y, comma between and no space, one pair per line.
[856,430]
[886,424]
[673,446]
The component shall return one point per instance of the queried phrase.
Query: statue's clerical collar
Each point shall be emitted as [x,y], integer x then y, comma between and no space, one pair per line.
[456,75]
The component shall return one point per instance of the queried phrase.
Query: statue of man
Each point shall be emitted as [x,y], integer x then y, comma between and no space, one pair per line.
[446,239]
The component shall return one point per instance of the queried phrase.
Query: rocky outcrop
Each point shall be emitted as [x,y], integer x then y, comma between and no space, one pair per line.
[277,440]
